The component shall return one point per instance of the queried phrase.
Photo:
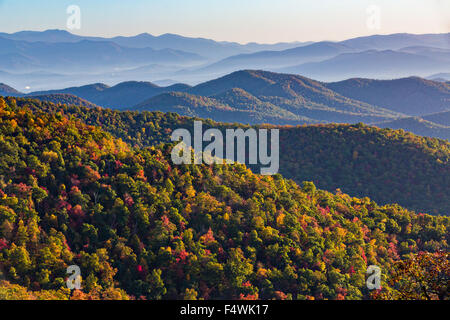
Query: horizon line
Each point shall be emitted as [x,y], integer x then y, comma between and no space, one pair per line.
[222,41]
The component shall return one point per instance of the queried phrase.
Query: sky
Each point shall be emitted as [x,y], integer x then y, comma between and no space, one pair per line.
[263,21]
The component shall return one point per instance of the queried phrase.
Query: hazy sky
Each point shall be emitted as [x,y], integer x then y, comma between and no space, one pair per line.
[232,20]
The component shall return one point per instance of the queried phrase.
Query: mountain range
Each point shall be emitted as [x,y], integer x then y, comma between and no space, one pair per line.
[254,96]
[386,64]
[34,60]
[71,57]
[385,57]
[88,177]
[204,47]
[412,96]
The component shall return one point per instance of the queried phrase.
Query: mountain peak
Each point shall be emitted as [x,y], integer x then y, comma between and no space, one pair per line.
[5,90]
[134,84]
[57,31]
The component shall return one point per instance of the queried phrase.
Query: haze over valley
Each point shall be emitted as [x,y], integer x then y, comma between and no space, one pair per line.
[54,59]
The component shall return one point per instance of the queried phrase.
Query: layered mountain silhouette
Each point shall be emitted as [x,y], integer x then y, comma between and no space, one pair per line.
[34,60]
[419,126]
[6,90]
[390,56]
[255,96]
[248,108]
[23,56]
[442,77]
[432,125]
[399,40]
[204,47]
[412,96]
[121,95]
[281,95]
[372,64]
[275,59]
[440,118]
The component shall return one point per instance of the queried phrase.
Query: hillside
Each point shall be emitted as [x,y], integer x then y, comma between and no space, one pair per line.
[140,227]
[87,92]
[265,97]
[255,97]
[181,100]
[299,95]
[275,59]
[442,118]
[433,125]
[242,100]
[220,108]
[130,93]
[420,126]
[388,166]
[6,90]
[286,98]
[123,95]
[413,96]
[61,98]
[441,77]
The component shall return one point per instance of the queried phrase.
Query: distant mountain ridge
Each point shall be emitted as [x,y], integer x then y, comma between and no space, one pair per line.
[57,58]
[280,94]
[431,125]
[419,126]
[399,40]
[442,77]
[119,96]
[439,118]
[387,64]
[24,56]
[385,56]
[413,96]
[275,59]
[200,46]
[67,99]
[6,90]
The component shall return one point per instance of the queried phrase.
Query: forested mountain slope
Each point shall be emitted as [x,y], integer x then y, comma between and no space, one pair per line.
[386,165]
[251,111]
[290,98]
[422,126]
[7,90]
[63,98]
[256,97]
[442,118]
[412,96]
[139,226]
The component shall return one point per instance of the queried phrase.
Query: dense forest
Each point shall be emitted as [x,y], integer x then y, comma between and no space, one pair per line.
[141,228]
[389,166]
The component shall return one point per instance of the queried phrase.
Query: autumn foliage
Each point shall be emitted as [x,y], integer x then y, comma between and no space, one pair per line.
[140,227]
